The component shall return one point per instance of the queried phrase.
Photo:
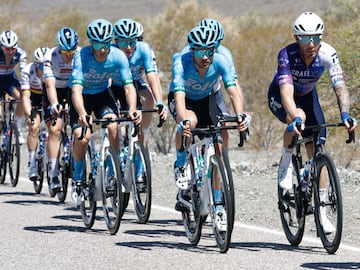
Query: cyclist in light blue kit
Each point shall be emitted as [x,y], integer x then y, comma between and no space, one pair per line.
[220,34]
[191,99]
[292,95]
[93,67]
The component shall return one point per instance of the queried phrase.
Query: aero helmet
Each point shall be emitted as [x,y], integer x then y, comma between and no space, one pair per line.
[202,37]
[67,39]
[100,30]
[39,54]
[216,25]
[125,29]
[308,23]
[140,31]
[8,39]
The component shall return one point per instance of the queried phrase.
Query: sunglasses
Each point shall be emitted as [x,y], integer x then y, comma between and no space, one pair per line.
[307,39]
[9,49]
[127,43]
[101,45]
[202,53]
[71,52]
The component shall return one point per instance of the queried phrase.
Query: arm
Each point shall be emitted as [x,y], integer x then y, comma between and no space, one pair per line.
[78,103]
[131,99]
[287,100]
[50,84]
[26,102]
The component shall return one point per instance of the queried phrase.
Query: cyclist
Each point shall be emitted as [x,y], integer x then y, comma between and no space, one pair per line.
[220,34]
[292,95]
[191,98]
[94,66]
[10,56]
[57,70]
[31,86]
[142,61]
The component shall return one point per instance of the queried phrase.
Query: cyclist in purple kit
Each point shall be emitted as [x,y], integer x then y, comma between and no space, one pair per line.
[292,95]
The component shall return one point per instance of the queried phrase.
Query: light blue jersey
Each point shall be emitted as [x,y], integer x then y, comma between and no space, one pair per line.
[94,76]
[185,77]
[141,61]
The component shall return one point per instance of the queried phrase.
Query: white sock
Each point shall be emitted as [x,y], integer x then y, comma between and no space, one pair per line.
[286,157]
[53,168]
[19,122]
[322,194]
[32,158]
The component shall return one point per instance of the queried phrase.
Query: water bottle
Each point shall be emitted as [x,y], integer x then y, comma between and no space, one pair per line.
[304,175]
[94,163]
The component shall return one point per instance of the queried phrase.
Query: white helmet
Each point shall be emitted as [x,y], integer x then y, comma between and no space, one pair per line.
[39,54]
[8,39]
[140,31]
[308,23]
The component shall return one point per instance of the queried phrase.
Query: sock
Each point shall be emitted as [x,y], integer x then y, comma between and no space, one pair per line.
[78,170]
[180,158]
[19,122]
[286,157]
[217,196]
[53,168]
[322,194]
[31,158]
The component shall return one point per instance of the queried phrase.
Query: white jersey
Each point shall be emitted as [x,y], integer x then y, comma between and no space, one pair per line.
[19,57]
[30,79]
[55,67]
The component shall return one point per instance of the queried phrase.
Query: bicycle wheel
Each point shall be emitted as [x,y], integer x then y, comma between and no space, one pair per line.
[88,204]
[38,183]
[14,156]
[328,208]
[113,196]
[64,169]
[217,173]
[292,214]
[141,189]
[191,215]
[231,184]
[3,162]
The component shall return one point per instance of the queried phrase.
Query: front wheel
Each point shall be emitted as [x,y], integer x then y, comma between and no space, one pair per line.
[290,204]
[328,204]
[141,182]
[64,168]
[222,221]
[113,195]
[38,183]
[14,156]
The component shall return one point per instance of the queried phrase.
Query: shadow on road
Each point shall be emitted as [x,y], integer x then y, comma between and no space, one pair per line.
[332,265]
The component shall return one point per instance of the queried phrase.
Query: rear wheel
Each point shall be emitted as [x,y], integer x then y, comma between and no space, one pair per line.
[219,178]
[88,205]
[328,204]
[292,214]
[64,168]
[141,189]
[38,183]
[113,196]
[14,156]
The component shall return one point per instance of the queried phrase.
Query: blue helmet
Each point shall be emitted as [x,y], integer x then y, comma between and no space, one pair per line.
[67,39]
[100,30]
[125,29]
[216,25]
[202,37]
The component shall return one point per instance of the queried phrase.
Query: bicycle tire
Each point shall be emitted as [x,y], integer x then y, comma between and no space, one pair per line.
[38,183]
[291,209]
[223,238]
[14,156]
[333,203]
[64,169]
[191,217]
[88,205]
[113,195]
[3,163]
[142,192]
[231,183]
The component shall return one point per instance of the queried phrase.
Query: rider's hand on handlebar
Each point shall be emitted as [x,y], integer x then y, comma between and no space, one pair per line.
[184,127]
[135,116]
[244,120]
[85,120]
[293,126]
[162,110]
[55,109]
[350,122]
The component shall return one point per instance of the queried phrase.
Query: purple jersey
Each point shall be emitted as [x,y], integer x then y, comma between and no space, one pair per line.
[292,69]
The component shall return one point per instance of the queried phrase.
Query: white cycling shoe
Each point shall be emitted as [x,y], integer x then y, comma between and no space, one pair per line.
[220,218]
[285,177]
[182,177]
[328,227]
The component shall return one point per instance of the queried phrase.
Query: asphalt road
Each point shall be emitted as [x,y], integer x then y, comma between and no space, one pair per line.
[37,232]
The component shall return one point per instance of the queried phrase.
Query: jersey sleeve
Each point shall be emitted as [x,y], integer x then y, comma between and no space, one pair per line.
[177,82]
[77,75]
[25,78]
[332,65]
[148,56]
[283,70]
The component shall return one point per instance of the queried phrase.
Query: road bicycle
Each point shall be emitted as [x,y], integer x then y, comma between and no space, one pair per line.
[65,150]
[103,181]
[41,158]
[9,142]
[207,167]
[295,204]
[136,167]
